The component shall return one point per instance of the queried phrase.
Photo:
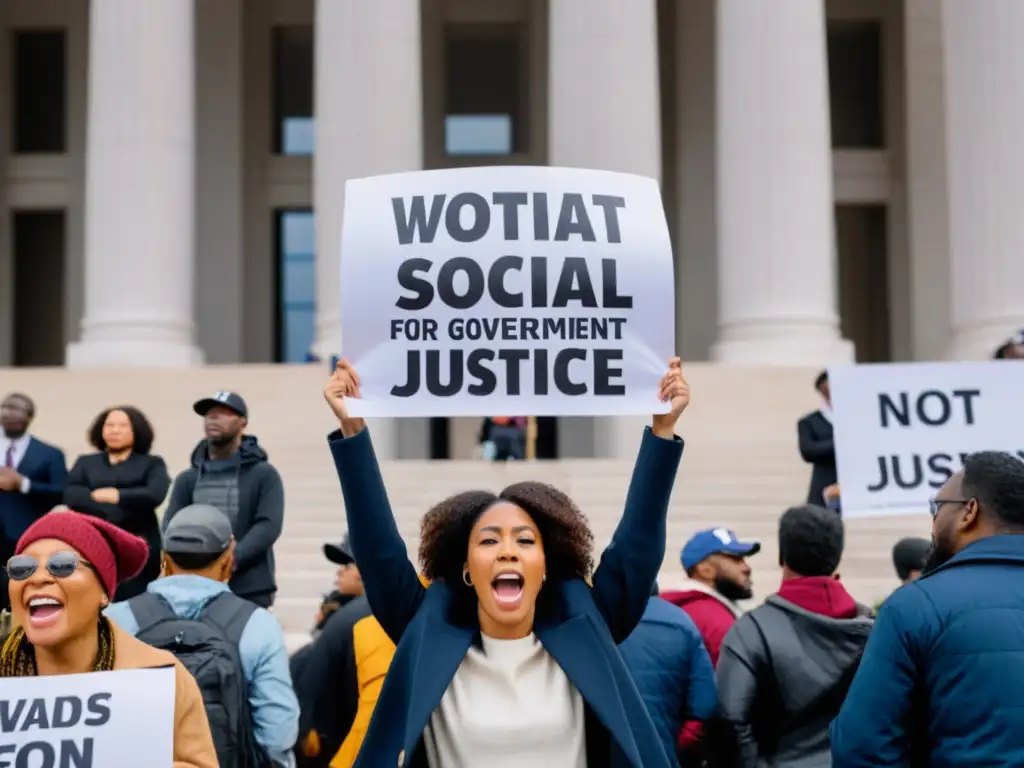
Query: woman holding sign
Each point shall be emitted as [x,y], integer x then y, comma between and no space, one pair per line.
[509,657]
[65,568]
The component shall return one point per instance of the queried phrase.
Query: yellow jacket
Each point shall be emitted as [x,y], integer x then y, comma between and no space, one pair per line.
[339,681]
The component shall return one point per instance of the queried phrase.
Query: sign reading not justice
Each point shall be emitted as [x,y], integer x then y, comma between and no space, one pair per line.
[481,291]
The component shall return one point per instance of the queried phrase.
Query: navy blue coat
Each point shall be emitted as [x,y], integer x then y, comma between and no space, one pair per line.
[672,670]
[47,473]
[941,682]
[581,634]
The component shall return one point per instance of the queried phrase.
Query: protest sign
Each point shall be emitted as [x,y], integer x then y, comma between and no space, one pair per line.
[523,291]
[902,430]
[97,720]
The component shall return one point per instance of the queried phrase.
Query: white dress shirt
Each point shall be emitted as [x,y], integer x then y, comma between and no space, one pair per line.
[20,447]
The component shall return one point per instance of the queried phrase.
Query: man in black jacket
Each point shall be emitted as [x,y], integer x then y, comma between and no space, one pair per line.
[785,666]
[230,471]
[814,432]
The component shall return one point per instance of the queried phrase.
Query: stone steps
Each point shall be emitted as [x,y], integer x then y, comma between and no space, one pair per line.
[740,470]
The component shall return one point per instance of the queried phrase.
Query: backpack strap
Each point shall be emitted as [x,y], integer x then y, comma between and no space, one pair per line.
[149,610]
[230,614]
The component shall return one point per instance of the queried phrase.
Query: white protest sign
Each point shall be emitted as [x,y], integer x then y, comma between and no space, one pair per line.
[119,719]
[510,291]
[902,430]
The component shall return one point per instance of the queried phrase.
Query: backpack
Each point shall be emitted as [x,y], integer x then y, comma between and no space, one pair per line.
[208,648]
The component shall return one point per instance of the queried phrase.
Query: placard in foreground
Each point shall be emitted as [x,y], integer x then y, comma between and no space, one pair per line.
[507,291]
[121,719]
[902,430]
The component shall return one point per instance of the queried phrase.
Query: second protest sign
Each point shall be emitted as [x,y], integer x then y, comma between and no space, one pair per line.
[481,291]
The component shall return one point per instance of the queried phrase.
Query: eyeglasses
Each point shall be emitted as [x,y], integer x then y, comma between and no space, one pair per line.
[61,565]
[935,505]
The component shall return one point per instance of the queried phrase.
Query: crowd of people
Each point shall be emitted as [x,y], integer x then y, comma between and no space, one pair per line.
[512,643]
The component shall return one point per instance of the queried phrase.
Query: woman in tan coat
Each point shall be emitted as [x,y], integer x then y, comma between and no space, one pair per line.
[65,568]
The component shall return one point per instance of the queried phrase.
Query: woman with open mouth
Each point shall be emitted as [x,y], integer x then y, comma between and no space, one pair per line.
[65,568]
[508,657]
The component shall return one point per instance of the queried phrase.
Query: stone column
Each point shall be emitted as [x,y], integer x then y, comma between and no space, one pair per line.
[140,187]
[369,121]
[604,114]
[776,228]
[984,126]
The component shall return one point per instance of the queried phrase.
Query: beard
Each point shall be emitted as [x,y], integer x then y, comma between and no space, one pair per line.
[221,441]
[940,553]
[732,591]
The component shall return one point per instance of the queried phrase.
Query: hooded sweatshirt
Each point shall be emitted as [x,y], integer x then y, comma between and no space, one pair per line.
[781,668]
[248,489]
[261,649]
[711,612]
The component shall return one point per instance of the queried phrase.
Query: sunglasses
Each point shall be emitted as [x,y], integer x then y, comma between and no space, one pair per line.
[61,565]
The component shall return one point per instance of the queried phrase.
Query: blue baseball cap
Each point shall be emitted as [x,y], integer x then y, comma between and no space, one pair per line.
[714,541]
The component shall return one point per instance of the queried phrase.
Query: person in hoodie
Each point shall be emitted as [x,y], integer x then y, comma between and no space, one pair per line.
[786,665]
[717,577]
[198,549]
[230,471]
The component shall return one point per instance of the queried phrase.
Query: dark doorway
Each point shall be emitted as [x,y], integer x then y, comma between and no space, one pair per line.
[38,238]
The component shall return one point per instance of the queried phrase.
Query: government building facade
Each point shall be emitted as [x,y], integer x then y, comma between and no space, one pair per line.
[841,178]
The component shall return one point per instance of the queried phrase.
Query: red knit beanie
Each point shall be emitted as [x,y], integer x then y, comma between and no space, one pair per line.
[115,554]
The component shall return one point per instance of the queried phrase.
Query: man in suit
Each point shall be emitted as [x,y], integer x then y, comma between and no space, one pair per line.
[815,434]
[33,476]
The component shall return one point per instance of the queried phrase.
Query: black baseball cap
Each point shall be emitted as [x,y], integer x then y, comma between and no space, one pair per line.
[198,529]
[340,553]
[230,400]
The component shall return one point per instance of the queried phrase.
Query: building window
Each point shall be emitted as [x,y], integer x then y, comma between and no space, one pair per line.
[856,92]
[293,90]
[485,89]
[296,285]
[39,91]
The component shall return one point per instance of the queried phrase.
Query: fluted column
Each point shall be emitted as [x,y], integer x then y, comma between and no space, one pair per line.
[140,187]
[776,229]
[604,114]
[984,130]
[369,108]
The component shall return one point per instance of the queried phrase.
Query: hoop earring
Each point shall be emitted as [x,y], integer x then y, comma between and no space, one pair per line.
[544,577]
[466,580]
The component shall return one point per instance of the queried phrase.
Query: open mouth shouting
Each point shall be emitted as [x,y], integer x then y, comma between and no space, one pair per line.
[507,588]
[44,611]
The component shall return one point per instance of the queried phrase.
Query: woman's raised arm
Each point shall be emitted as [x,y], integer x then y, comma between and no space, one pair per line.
[629,566]
[392,585]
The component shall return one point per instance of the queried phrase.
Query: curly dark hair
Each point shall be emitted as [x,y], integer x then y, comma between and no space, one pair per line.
[141,429]
[568,542]
[811,540]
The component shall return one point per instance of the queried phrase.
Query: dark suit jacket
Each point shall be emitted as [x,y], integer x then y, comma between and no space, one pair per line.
[47,473]
[815,434]
[580,631]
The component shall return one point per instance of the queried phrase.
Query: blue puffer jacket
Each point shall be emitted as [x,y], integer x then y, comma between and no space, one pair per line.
[941,683]
[671,669]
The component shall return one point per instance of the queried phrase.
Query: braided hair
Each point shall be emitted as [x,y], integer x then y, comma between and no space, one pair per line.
[18,656]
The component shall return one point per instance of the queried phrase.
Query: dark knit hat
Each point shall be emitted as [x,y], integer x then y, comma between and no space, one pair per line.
[910,554]
[114,554]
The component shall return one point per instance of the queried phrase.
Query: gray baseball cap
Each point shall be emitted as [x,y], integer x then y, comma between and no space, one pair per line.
[198,529]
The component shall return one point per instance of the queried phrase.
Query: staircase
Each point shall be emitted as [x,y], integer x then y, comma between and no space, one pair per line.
[741,468]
